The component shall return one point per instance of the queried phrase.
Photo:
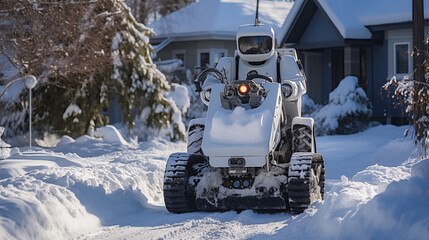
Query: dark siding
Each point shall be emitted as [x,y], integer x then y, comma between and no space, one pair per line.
[327,74]
[319,30]
[379,74]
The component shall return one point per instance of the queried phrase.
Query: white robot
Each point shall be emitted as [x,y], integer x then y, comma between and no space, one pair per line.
[256,58]
[253,150]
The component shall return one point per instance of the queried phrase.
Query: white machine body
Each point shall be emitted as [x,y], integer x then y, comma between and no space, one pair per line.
[281,105]
[250,134]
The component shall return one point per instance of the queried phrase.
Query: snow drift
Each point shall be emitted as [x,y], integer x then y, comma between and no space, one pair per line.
[93,188]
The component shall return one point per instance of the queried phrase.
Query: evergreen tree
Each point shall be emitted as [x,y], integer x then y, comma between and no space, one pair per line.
[106,57]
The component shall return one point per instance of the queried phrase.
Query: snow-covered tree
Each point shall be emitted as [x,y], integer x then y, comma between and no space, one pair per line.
[86,54]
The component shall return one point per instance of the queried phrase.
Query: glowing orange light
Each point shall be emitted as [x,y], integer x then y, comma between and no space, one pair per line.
[243,89]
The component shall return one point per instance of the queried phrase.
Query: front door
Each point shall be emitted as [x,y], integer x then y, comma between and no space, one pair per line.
[313,71]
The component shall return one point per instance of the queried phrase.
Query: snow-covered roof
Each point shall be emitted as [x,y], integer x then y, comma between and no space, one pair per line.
[352,16]
[219,19]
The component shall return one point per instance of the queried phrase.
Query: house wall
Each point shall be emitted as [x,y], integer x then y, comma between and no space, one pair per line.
[399,36]
[393,37]
[382,106]
[317,57]
[392,110]
[192,50]
[319,30]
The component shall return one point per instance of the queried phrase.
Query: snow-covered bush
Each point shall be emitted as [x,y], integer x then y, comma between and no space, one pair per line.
[170,68]
[180,95]
[308,106]
[348,110]
[198,109]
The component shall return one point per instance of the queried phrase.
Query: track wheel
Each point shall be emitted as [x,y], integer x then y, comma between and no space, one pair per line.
[306,180]
[179,195]
[302,138]
[195,136]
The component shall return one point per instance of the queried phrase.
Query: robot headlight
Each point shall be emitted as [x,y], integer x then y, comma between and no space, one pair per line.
[255,44]
[243,89]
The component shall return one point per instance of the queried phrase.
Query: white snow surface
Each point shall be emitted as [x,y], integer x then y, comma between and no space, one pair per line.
[169,65]
[352,16]
[110,134]
[92,188]
[232,126]
[219,18]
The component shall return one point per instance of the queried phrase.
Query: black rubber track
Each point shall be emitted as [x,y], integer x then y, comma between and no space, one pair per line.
[302,186]
[179,195]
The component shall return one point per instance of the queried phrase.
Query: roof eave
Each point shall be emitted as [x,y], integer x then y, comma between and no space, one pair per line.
[195,36]
[393,26]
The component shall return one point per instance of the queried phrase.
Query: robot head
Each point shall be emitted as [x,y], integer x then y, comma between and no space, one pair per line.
[255,43]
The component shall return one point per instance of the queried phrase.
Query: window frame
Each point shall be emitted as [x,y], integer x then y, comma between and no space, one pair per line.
[212,54]
[179,51]
[394,58]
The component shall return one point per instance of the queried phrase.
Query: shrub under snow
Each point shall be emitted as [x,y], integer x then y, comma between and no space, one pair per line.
[308,106]
[348,110]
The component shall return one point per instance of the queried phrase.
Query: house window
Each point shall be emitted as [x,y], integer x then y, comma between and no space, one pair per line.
[204,59]
[209,57]
[402,58]
[180,54]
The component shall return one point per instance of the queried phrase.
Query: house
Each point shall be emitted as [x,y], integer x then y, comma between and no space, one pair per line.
[204,31]
[364,38]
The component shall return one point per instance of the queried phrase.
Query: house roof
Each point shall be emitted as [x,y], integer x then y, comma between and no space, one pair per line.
[352,17]
[218,19]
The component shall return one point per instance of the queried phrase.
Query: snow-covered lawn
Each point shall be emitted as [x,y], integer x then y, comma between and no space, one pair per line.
[109,189]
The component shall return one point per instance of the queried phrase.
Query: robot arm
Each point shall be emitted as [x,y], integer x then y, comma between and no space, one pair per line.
[226,67]
[292,78]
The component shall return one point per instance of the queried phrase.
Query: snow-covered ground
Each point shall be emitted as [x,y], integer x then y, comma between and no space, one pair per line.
[90,188]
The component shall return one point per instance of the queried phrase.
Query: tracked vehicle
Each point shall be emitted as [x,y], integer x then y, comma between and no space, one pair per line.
[253,150]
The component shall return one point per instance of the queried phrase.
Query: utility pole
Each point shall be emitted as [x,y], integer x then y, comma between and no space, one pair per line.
[418,61]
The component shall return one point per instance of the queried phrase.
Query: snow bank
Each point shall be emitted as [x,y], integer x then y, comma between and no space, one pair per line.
[421,169]
[104,190]
[53,195]
[34,209]
[110,134]
[65,140]
[400,212]
[377,203]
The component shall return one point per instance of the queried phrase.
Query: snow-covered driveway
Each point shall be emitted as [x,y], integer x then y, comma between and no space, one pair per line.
[104,189]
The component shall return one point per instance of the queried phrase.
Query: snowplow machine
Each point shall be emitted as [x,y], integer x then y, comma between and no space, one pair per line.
[253,150]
